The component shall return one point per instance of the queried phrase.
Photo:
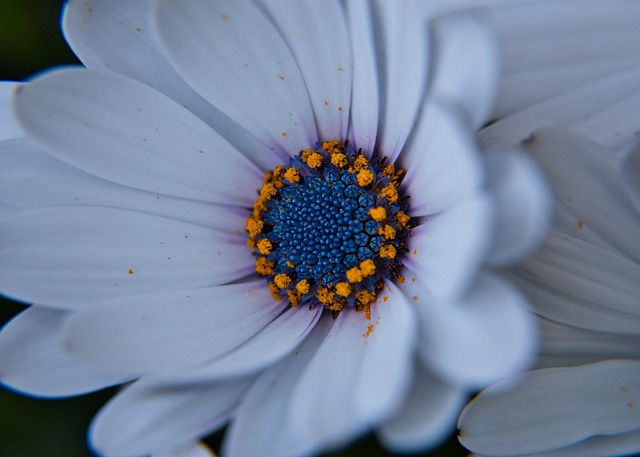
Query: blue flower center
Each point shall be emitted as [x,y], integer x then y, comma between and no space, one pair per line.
[329,228]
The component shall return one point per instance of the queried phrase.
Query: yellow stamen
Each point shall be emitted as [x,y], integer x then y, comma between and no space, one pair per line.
[292,175]
[314,160]
[303,286]
[275,291]
[264,246]
[282,280]
[254,227]
[403,219]
[387,231]
[339,160]
[294,298]
[365,296]
[365,177]
[388,252]
[264,267]
[354,274]
[304,155]
[389,170]
[367,267]
[361,163]
[378,214]
[343,289]
[390,193]
[324,296]
[332,147]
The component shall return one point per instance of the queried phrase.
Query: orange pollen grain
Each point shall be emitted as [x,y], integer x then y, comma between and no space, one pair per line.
[254,227]
[339,160]
[367,267]
[343,289]
[354,274]
[388,252]
[365,177]
[303,286]
[378,214]
[292,175]
[387,231]
[282,280]
[264,246]
[360,163]
[315,160]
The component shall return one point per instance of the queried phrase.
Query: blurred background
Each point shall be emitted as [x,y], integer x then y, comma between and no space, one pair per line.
[30,41]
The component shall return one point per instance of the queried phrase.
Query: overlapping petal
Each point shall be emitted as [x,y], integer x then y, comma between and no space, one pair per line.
[103,252]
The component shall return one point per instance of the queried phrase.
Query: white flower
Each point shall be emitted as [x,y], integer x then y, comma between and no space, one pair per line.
[126,205]
[585,281]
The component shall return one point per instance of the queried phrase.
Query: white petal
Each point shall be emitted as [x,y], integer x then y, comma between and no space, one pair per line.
[570,108]
[69,256]
[630,166]
[441,161]
[365,96]
[126,132]
[117,36]
[570,161]
[164,331]
[31,178]
[271,394]
[446,250]
[276,340]
[600,446]
[549,49]
[34,361]
[233,55]
[563,345]
[486,336]
[466,65]
[147,418]
[196,449]
[325,61]
[367,367]
[427,418]
[523,203]
[403,44]
[9,126]
[553,408]
[583,285]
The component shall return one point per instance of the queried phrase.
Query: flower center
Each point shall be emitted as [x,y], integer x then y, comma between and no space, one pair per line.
[329,229]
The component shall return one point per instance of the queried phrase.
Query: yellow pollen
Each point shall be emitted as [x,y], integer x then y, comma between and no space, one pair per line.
[282,280]
[378,214]
[292,175]
[294,298]
[264,246]
[303,286]
[315,160]
[275,291]
[403,219]
[354,274]
[388,232]
[252,243]
[343,289]
[390,193]
[264,267]
[324,296]
[389,170]
[365,177]
[388,252]
[367,267]
[339,160]
[332,147]
[361,163]
[365,296]
[306,154]
[290,265]
[267,191]
[254,227]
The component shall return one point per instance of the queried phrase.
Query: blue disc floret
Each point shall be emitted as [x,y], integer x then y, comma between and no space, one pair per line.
[329,228]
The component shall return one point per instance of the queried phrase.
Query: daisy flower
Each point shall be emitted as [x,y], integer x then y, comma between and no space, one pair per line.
[584,282]
[268,213]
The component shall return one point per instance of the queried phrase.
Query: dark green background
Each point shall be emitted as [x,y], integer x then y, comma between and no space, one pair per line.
[30,41]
